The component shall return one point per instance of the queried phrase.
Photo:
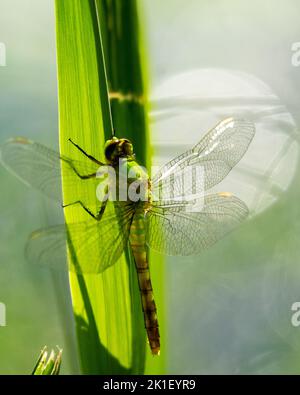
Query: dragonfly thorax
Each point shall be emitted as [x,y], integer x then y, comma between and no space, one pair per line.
[118,148]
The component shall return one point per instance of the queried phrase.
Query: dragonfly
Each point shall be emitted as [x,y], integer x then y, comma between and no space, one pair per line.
[162,217]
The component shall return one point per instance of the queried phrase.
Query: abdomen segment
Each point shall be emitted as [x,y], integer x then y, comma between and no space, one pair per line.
[137,242]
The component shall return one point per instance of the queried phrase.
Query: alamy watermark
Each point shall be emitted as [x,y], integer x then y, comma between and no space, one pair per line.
[295,319]
[2,55]
[295,48]
[131,183]
[2,314]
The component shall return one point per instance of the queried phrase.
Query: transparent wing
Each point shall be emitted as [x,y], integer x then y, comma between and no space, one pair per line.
[206,164]
[94,246]
[186,228]
[40,167]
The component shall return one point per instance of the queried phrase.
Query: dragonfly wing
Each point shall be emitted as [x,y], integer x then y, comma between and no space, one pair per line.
[94,246]
[214,156]
[186,228]
[41,167]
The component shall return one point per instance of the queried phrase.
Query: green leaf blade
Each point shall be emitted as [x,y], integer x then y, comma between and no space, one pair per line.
[107,308]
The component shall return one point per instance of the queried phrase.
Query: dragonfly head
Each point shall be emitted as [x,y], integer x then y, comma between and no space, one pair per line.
[117,148]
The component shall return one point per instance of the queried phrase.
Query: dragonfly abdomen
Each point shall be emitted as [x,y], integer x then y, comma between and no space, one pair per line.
[138,246]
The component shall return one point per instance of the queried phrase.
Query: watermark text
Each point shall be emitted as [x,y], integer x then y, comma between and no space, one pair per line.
[296,54]
[2,314]
[295,320]
[2,55]
[131,183]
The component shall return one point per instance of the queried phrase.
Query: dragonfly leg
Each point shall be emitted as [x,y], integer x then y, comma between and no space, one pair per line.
[97,216]
[86,154]
[82,176]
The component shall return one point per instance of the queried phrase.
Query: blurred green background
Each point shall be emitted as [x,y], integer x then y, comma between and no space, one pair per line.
[229,309]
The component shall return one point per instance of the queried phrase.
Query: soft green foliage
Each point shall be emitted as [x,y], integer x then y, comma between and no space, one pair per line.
[107,308]
[48,365]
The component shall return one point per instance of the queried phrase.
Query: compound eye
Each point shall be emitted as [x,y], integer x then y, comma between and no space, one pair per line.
[127,148]
[109,150]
